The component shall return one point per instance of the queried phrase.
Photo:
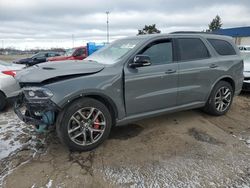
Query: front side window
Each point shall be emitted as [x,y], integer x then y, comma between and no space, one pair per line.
[222,47]
[160,52]
[192,49]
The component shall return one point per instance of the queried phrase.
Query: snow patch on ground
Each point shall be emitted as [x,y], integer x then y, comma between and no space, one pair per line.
[49,184]
[175,173]
[16,138]
[9,141]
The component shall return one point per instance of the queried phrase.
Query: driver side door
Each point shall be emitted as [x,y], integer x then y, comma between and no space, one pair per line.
[152,87]
[40,58]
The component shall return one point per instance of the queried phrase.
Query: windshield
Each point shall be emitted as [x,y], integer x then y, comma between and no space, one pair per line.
[4,63]
[114,51]
[69,52]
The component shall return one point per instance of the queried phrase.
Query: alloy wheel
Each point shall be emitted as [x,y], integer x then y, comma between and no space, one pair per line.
[86,126]
[223,99]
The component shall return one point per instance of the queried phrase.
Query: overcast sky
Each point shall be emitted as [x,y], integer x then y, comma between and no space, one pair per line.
[51,23]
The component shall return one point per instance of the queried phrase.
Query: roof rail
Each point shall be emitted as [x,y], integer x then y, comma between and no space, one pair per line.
[190,32]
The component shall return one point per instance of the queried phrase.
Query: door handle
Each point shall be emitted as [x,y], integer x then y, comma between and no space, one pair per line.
[212,66]
[170,71]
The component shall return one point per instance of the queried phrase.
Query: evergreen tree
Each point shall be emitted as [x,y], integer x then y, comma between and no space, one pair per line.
[215,24]
[148,29]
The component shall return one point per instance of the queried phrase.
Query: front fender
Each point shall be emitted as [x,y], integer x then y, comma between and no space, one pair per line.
[106,86]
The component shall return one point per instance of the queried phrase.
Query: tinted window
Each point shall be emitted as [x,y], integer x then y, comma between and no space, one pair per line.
[159,52]
[39,55]
[52,54]
[222,47]
[192,49]
[80,52]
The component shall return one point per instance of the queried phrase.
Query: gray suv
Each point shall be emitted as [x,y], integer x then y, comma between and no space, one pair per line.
[128,80]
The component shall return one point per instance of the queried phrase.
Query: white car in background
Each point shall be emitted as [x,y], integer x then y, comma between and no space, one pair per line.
[8,84]
[244,48]
[246,83]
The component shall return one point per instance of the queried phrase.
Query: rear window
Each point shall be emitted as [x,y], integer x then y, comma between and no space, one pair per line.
[192,49]
[222,47]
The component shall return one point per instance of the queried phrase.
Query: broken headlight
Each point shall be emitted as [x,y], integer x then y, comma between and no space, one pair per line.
[37,93]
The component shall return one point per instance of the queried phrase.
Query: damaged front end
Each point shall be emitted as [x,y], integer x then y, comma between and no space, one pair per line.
[33,106]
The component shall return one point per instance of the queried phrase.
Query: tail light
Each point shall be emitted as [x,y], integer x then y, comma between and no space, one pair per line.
[10,72]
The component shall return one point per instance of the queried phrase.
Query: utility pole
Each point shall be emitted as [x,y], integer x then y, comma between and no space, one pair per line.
[73,41]
[107,26]
[2,44]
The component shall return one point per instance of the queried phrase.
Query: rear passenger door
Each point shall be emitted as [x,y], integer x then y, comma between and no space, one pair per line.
[196,70]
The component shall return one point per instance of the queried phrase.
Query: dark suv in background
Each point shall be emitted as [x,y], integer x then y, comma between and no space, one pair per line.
[128,80]
[40,57]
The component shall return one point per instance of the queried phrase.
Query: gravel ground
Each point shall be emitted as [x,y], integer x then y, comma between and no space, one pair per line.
[185,149]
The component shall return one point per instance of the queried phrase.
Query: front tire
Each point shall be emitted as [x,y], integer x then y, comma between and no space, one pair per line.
[84,125]
[220,99]
[3,101]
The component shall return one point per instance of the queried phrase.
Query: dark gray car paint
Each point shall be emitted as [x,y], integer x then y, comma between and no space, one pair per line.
[146,91]
[57,69]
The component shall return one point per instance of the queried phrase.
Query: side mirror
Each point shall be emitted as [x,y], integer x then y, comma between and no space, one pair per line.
[140,61]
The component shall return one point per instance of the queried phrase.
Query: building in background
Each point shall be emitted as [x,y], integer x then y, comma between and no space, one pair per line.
[240,34]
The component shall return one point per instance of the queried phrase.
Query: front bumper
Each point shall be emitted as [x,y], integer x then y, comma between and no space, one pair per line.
[33,112]
[246,85]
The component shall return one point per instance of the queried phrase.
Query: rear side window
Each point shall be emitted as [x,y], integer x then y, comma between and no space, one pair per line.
[222,47]
[192,49]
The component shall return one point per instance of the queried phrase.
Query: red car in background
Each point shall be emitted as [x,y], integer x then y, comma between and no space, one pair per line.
[78,53]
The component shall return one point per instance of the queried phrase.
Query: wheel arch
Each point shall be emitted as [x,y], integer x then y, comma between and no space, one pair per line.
[3,103]
[228,79]
[3,93]
[100,97]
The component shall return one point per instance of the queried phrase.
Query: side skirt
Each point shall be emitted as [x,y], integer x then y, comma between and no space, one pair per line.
[151,114]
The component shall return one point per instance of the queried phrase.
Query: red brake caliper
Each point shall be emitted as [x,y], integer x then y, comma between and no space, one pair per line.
[96,124]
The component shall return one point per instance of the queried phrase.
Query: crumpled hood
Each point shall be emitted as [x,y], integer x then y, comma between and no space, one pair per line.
[49,70]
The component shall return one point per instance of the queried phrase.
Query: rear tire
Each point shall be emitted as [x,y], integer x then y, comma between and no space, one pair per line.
[84,124]
[3,101]
[220,99]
